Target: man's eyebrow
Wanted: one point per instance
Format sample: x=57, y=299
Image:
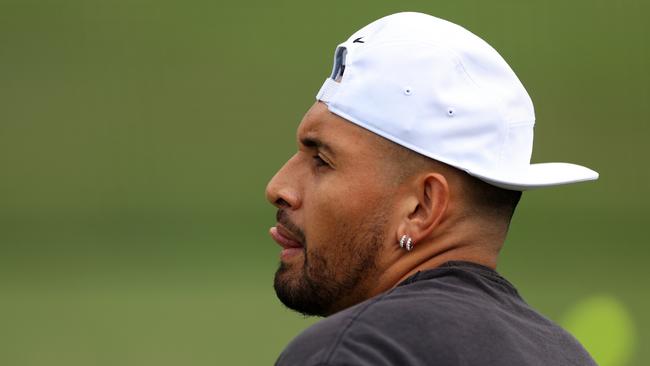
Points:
x=315, y=143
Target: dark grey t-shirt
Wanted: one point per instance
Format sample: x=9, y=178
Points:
x=457, y=314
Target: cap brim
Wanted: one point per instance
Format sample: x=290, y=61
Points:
x=540, y=176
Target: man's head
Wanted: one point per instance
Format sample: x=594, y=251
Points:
x=421, y=130
x=347, y=195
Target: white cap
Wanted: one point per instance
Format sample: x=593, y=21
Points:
x=438, y=89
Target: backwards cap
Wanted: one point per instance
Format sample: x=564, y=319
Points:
x=438, y=89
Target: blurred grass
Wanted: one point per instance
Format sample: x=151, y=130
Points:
x=136, y=139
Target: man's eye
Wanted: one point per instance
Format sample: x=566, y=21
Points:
x=319, y=161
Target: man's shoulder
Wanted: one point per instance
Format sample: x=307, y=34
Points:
x=369, y=333
x=442, y=319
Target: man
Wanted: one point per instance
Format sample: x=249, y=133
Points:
x=392, y=213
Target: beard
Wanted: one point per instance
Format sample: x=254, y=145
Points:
x=334, y=277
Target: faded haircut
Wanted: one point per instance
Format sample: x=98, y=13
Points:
x=484, y=199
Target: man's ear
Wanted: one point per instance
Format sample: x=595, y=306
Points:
x=424, y=207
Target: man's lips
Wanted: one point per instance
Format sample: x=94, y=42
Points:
x=284, y=237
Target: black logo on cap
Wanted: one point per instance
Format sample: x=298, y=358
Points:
x=358, y=40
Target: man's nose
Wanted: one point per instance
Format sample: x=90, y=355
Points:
x=282, y=190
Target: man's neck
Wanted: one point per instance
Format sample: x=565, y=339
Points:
x=453, y=254
x=450, y=246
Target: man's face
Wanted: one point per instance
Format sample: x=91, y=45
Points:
x=334, y=201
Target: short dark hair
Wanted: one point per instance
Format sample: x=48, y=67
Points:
x=491, y=200
x=484, y=199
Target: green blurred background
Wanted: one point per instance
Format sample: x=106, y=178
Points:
x=136, y=139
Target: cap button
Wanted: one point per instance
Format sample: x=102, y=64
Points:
x=450, y=112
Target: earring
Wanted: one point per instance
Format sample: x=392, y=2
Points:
x=406, y=242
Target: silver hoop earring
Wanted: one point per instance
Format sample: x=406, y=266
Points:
x=405, y=242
